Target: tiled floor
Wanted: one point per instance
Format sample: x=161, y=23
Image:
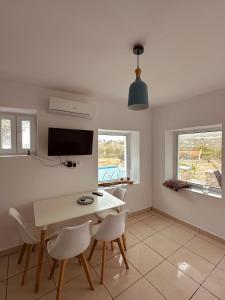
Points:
x=167, y=261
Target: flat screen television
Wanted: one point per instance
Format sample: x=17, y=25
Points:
x=69, y=142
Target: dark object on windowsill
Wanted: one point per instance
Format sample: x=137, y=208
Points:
x=176, y=185
x=116, y=182
x=218, y=175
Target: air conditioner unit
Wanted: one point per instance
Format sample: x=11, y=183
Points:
x=72, y=108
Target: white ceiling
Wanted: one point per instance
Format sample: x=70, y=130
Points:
x=84, y=46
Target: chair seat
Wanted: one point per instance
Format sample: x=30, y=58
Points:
x=94, y=229
x=51, y=244
x=102, y=214
x=70, y=242
x=35, y=232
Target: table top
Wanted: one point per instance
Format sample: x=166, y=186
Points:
x=57, y=209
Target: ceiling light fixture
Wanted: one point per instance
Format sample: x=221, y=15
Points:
x=138, y=91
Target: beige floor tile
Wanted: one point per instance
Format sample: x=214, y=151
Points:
x=73, y=269
x=192, y=264
x=169, y=220
x=16, y=291
x=131, y=239
x=172, y=282
x=131, y=220
x=144, y=215
x=140, y=230
x=142, y=289
x=14, y=268
x=3, y=268
x=3, y=290
x=162, y=244
x=97, y=255
x=205, y=249
x=211, y=240
x=186, y=228
x=116, y=277
x=78, y=288
x=143, y=258
x=222, y=263
x=156, y=222
x=203, y=294
x=215, y=283
x=49, y=296
x=177, y=234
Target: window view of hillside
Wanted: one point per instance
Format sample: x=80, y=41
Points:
x=111, y=157
x=199, y=157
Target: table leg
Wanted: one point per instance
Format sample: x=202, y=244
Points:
x=40, y=259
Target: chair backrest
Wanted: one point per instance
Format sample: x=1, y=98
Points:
x=112, y=227
x=71, y=241
x=119, y=193
x=25, y=235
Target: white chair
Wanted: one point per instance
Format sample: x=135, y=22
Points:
x=111, y=229
x=30, y=236
x=119, y=193
x=71, y=242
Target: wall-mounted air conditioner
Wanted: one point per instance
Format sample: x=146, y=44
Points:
x=72, y=108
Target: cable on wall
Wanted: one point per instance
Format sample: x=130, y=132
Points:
x=48, y=162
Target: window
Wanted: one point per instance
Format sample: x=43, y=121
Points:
x=17, y=133
x=112, y=156
x=199, y=158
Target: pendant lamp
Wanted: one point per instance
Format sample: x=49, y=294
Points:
x=138, y=91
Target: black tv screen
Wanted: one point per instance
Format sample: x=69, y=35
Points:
x=69, y=142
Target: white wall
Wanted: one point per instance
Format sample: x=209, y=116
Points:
x=200, y=210
x=24, y=179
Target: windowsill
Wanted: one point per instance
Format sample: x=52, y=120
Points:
x=116, y=185
x=199, y=191
x=13, y=155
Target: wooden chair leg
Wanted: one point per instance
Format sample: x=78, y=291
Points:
x=103, y=261
x=33, y=248
x=122, y=252
x=112, y=246
x=61, y=277
x=92, y=249
x=124, y=242
x=23, y=250
x=79, y=260
x=42, y=248
x=29, y=248
x=86, y=269
x=54, y=265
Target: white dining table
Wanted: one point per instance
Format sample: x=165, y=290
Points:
x=63, y=208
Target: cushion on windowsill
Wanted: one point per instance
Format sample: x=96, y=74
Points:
x=176, y=185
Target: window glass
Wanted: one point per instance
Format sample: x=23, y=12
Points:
x=112, y=157
x=26, y=134
x=6, y=134
x=199, y=158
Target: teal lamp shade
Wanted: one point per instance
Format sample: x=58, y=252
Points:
x=138, y=93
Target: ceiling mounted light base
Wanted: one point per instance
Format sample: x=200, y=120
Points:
x=138, y=91
x=138, y=49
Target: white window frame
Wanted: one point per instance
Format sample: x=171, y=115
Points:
x=12, y=118
x=176, y=157
x=16, y=134
x=33, y=130
x=127, y=152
